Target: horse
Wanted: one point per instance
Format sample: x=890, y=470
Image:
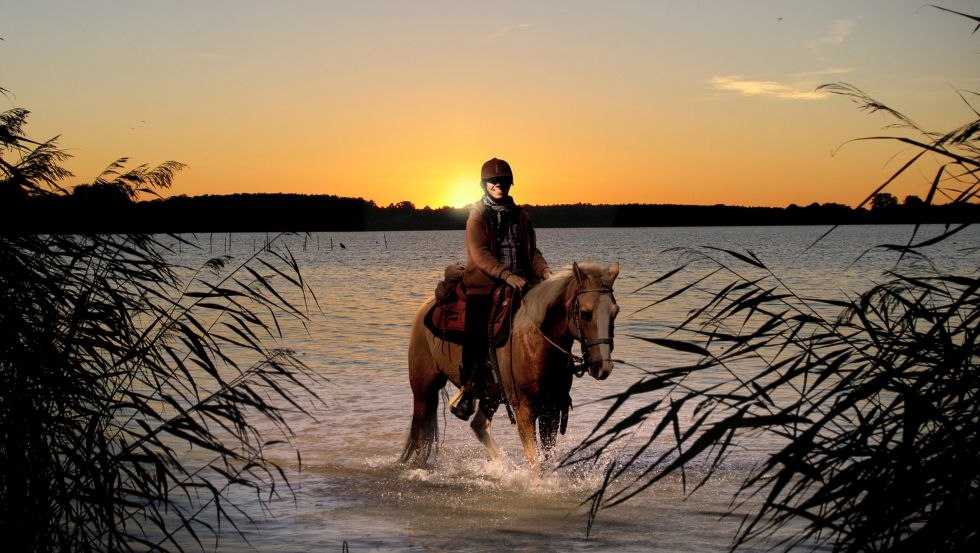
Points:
x=535, y=363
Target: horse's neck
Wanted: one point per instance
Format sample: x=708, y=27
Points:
x=555, y=325
x=551, y=320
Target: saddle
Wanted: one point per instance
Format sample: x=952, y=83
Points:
x=447, y=318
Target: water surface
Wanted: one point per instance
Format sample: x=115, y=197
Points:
x=351, y=489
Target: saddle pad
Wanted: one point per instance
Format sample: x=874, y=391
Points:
x=448, y=321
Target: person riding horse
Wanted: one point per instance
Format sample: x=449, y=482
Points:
x=535, y=361
x=500, y=249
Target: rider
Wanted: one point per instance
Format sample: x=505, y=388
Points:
x=500, y=248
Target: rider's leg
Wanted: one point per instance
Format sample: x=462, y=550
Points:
x=474, y=354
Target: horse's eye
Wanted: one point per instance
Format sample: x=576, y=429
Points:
x=586, y=315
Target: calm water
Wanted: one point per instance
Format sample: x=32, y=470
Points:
x=351, y=488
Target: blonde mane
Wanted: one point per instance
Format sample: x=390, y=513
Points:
x=544, y=295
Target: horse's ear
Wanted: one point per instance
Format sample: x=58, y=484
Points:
x=613, y=271
x=577, y=272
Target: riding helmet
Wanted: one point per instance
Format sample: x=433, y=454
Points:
x=495, y=168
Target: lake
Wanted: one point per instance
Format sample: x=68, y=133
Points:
x=350, y=490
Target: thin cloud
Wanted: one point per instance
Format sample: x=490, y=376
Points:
x=500, y=33
x=800, y=86
x=838, y=31
x=766, y=89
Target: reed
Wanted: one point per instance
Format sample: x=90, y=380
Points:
x=875, y=396
x=132, y=390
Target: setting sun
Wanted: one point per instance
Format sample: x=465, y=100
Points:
x=461, y=193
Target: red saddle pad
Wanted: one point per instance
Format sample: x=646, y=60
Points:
x=448, y=321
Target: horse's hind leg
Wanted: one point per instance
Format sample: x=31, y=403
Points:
x=481, y=427
x=424, y=432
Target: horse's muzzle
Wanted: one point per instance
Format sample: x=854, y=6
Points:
x=600, y=370
x=599, y=367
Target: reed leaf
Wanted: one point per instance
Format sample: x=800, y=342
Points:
x=112, y=364
x=875, y=399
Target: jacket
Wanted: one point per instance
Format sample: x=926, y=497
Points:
x=483, y=269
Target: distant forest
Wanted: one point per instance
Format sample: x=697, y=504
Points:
x=90, y=208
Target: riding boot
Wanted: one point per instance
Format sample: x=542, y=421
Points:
x=474, y=355
x=464, y=403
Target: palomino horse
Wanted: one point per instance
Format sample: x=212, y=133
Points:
x=536, y=370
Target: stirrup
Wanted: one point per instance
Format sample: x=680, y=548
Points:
x=462, y=405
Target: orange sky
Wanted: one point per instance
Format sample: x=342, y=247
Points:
x=651, y=102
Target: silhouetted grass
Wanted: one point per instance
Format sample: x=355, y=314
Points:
x=133, y=391
x=875, y=398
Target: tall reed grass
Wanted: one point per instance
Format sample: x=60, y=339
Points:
x=874, y=397
x=132, y=390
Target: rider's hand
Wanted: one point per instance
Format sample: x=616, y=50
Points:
x=515, y=281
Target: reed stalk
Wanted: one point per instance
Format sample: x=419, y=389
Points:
x=874, y=397
x=136, y=395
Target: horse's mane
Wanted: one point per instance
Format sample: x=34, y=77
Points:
x=544, y=295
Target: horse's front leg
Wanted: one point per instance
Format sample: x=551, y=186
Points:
x=548, y=423
x=481, y=427
x=551, y=412
x=525, y=429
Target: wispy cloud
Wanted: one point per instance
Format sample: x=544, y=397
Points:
x=500, y=33
x=798, y=86
x=769, y=89
x=836, y=34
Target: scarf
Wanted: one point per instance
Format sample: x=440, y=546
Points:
x=503, y=219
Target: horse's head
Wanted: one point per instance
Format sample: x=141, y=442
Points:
x=592, y=312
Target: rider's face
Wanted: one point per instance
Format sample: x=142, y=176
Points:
x=497, y=190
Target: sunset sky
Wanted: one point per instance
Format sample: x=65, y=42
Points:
x=656, y=101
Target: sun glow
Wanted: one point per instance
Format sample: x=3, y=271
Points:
x=461, y=193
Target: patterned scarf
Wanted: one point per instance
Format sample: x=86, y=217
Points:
x=503, y=219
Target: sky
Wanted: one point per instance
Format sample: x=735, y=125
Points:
x=658, y=101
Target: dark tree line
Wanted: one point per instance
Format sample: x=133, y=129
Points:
x=107, y=208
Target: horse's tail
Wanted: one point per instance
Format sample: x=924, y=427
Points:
x=423, y=436
x=427, y=383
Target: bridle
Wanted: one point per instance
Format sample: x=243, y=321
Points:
x=578, y=361
x=577, y=319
